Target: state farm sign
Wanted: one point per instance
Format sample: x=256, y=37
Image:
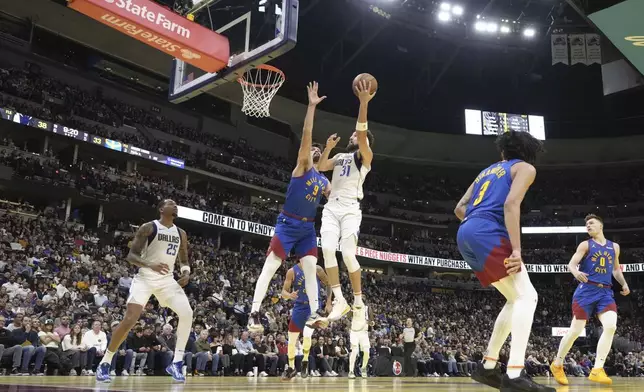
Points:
x=162, y=29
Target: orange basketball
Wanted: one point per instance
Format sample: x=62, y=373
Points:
x=367, y=78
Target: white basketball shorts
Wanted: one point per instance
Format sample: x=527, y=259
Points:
x=341, y=218
x=360, y=339
x=166, y=290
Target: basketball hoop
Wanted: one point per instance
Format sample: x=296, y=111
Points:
x=260, y=84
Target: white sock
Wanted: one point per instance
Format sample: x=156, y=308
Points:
x=271, y=265
x=568, y=340
x=609, y=323
x=309, y=267
x=500, y=333
x=178, y=355
x=337, y=293
x=357, y=300
x=107, y=358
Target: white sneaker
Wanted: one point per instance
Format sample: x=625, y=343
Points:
x=263, y=374
x=299, y=374
x=83, y=372
x=352, y=376
x=113, y=373
x=445, y=375
x=124, y=373
x=364, y=373
x=73, y=372
x=138, y=372
x=90, y=373
x=340, y=309
x=315, y=374
x=333, y=373
x=250, y=374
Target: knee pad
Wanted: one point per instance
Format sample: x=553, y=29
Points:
x=609, y=321
x=349, y=247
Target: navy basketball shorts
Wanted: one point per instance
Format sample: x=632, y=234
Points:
x=484, y=244
x=590, y=299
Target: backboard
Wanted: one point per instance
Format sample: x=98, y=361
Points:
x=258, y=31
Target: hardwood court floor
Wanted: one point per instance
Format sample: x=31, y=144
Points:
x=239, y=384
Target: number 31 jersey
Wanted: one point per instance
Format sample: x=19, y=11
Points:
x=163, y=247
x=491, y=188
x=348, y=176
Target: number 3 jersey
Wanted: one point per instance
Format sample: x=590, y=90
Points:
x=348, y=176
x=491, y=188
x=163, y=247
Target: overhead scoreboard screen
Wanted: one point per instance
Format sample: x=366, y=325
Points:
x=485, y=123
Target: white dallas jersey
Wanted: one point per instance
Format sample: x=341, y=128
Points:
x=163, y=247
x=348, y=176
x=360, y=324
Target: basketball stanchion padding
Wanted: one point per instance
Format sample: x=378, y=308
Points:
x=260, y=84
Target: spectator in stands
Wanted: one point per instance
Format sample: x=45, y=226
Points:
x=96, y=342
x=203, y=354
x=9, y=349
x=63, y=329
x=75, y=350
x=137, y=350
x=51, y=341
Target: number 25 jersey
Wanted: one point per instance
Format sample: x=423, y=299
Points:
x=163, y=247
x=491, y=189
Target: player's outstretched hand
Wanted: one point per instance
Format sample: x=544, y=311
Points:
x=363, y=90
x=581, y=276
x=161, y=268
x=625, y=290
x=314, y=99
x=332, y=141
x=183, y=280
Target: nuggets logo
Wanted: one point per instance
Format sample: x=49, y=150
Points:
x=397, y=368
x=603, y=261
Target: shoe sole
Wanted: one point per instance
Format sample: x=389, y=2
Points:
x=601, y=382
x=344, y=312
x=481, y=380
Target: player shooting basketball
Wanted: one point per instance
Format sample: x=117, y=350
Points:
x=295, y=228
x=342, y=216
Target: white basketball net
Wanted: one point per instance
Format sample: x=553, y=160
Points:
x=260, y=86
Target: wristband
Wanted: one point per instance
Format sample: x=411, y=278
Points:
x=362, y=127
x=185, y=269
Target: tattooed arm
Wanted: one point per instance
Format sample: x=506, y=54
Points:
x=136, y=249
x=461, y=207
x=183, y=259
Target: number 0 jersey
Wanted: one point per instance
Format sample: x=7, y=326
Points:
x=163, y=247
x=491, y=188
x=599, y=261
x=348, y=176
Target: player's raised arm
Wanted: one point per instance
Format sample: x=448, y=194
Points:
x=363, y=89
x=183, y=259
x=523, y=178
x=304, y=158
x=617, y=272
x=286, y=287
x=325, y=163
x=461, y=207
x=573, y=265
x=136, y=249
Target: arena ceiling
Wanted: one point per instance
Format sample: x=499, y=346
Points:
x=429, y=70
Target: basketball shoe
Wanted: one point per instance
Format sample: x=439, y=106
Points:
x=599, y=375
x=559, y=374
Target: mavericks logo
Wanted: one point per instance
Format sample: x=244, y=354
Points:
x=397, y=368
